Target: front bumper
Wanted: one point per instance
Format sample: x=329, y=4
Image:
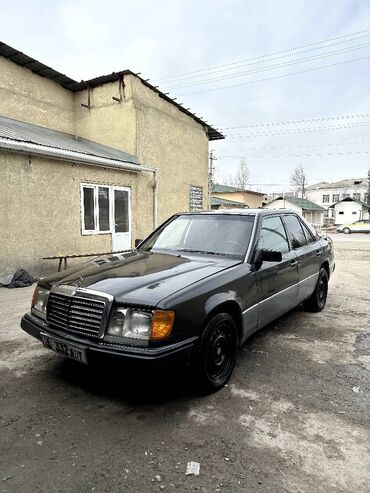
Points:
x=179, y=352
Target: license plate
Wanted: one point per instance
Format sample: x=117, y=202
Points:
x=72, y=351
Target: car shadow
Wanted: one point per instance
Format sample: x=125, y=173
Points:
x=139, y=384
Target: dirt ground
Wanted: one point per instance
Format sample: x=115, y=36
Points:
x=294, y=418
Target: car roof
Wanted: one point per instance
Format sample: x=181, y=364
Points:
x=242, y=212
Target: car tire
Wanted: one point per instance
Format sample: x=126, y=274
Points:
x=317, y=301
x=215, y=358
x=346, y=231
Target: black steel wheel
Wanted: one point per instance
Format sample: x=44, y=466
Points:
x=317, y=301
x=216, y=357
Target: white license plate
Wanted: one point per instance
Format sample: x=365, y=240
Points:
x=72, y=351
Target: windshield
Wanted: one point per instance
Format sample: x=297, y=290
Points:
x=201, y=233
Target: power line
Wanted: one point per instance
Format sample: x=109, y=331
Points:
x=294, y=122
x=296, y=132
x=309, y=155
x=269, y=58
x=305, y=146
x=267, y=55
x=272, y=67
x=204, y=91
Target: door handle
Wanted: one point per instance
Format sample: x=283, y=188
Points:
x=293, y=263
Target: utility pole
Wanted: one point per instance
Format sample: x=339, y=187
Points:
x=368, y=186
x=211, y=170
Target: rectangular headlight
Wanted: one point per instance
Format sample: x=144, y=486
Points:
x=40, y=301
x=139, y=325
x=130, y=323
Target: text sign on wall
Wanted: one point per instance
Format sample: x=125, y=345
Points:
x=195, y=198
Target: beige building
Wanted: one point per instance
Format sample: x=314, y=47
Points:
x=89, y=166
x=226, y=196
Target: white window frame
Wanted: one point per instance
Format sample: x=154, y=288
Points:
x=96, y=230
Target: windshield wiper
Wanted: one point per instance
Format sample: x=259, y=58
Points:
x=207, y=252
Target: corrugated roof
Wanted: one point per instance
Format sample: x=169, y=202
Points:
x=218, y=188
x=219, y=201
x=304, y=204
x=348, y=183
x=43, y=70
x=26, y=132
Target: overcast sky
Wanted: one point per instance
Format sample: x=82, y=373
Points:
x=168, y=38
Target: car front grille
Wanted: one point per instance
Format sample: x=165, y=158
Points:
x=76, y=314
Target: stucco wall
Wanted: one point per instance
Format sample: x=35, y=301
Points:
x=107, y=122
x=40, y=210
x=174, y=143
x=250, y=199
x=34, y=99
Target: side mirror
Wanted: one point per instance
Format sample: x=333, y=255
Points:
x=137, y=242
x=267, y=256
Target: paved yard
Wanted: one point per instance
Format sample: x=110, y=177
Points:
x=295, y=416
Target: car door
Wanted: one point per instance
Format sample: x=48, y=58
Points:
x=277, y=282
x=308, y=251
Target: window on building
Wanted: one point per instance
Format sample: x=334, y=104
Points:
x=335, y=197
x=326, y=213
x=326, y=198
x=354, y=212
x=295, y=231
x=272, y=235
x=96, y=209
x=346, y=195
x=357, y=196
x=195, y=198
x=340, y=212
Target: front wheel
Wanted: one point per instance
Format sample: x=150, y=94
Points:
x=317, y=301
x=216, y=356
x=346, y=231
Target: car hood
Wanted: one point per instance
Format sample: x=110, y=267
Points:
x=138, y=277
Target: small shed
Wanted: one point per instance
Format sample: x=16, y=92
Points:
x=219, y=203
x=349, y=210
x=312, y=212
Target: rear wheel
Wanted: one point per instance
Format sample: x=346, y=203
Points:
x=346, y=231
x=317, y=301
x=216, y=357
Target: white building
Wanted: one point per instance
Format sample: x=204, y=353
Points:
x=348, y=210
x=312, y=212
x=326, y=194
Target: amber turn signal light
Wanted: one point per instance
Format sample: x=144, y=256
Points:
x=162, y=323
x=34, y=296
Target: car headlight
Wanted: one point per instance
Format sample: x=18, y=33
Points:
x=39, y=301
x=139, y=325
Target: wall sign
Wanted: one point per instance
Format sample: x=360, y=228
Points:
x=195, y=198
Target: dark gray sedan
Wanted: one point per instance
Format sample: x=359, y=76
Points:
x=193, y=291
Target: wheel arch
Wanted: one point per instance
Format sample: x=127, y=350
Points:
x=231, y=307
x=325, y=265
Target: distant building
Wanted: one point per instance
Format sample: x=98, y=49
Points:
x=348, y=210
x=218, y=203
x=246, y=198
x=326, y=194
x=314, y=213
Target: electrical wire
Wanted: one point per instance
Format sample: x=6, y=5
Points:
x=266, y=55
x=269, y=59
x=267, y=79
x=300, y=131
x=306, y=120
x=237, y=75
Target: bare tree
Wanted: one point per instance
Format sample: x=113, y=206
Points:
x=240, y=178
x=298, y=180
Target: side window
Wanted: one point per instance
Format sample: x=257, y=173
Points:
x=308, y=234
x=295, y=231
x=272, y=235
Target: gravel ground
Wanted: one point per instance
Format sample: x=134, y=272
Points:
x=294, y=417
